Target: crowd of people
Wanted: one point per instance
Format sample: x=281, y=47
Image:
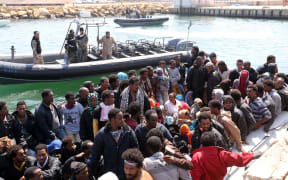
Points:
x=175, y=121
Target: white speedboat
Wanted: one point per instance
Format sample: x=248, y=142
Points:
x=4, y=22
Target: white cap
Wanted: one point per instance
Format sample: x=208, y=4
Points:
x=108, y=176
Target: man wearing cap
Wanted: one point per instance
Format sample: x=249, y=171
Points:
x=36, y=47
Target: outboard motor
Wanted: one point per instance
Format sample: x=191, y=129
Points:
x=172, y=44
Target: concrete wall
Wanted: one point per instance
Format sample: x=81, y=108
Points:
x=244, y=12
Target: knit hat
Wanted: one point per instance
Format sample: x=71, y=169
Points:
x=228, y=98
x=77, y=167
x=184, y=129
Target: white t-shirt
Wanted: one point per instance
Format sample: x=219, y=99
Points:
x=72, y=117
x=172, y=108
x=104, y=111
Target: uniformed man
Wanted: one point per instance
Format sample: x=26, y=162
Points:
x=36, y=47
x=108, y=42
x=71, y=47
x=82, y=42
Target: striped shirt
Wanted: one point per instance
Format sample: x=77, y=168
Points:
x=259, y=109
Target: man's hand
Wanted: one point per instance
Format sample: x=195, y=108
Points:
x=168, y=159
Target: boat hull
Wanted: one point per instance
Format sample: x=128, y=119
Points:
x=19, y=72
x=140, y=21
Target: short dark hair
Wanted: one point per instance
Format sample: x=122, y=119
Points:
x=196, y=48
x=45, y=92
x=269, y=83
x=236, y=94
x=66, y=140
x=40, y=147
x=155, y=132
x=201, y=53
x=133, y=155
x=87, y=84
x=215, y=104
x=154, y=144
x=20, y=103
x=81, y=29
x=270, y=57
x=253, y=87
x=172, y=61
x=12, y=152
x=113, y=78
x=132, y=72
x=134, y=108
x=84, y=145
x=149, y=112
x=260, y=88
x=157, y=109
x=149, y=68
x=208, y=139
x=143, y=70
x=113, y=113
x=29, y=172
x=222, y=63
x=103, y=79
x=123, y=84
x=239, y=61
x=213, y=54
x=247, y=62
x=133, y=80
x=205, y=109
x=2, y=104
x=106, y=94
x=204, y=115
x=68, y=95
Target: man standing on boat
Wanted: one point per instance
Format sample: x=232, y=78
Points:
x=82, y=42
x=36, y=47
x=108, y=42
x=71, y=47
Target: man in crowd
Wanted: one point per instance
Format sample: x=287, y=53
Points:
x=194, y=54
x=253, y=75
x=110, y=142
x=268, y=87
x=36, y=47
x=104, y=85
x=174, y=76
x=245, y=108
x=204, y=125
x=113, y=82
x=213, y=79
x=90, y=86
x=82, y=42
x=133, y=165
x=50, y=166
x=9, y=127
x=28, y=123
x=171, y=107
x=83, y=96
x=48, y=118
x=133, y=93
x=33, y=173
x=211, y=162
x=13, y=165
x=264, y=68
x=197, y=79
x=213, y=58
x=107, y=42
x=234, y=74
x=142, y=130
x=282, y=91
x=155, y=165
x=145, y=83
x=72, y=112
x=236, y=115
x=259, y=109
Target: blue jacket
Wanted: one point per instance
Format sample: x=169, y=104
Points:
x=104, y=144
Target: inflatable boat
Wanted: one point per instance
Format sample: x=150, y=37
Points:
x=140, y=21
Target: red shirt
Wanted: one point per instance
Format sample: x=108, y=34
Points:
x=210, y=163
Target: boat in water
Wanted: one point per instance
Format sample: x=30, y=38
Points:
x=4, y=22
x=130, y=54
x=147, y=21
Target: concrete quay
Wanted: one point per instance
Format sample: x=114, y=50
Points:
x=265, y=12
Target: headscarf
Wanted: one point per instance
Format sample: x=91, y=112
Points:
x=184, y=129
x=90, y=108
x=244, y=77
x=160, y=70
x=219, y=93
x=121, y=76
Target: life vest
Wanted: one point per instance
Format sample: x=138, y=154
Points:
x=38, y=46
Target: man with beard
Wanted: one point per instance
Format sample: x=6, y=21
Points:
x=213, y=79
x=133, y=165
x=194, y=53
x=13, y=165
x=204, y=125
x=282, y=91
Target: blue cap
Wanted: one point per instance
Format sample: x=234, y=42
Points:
x=121, y=76
x=54, y=145
x=180, y=97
